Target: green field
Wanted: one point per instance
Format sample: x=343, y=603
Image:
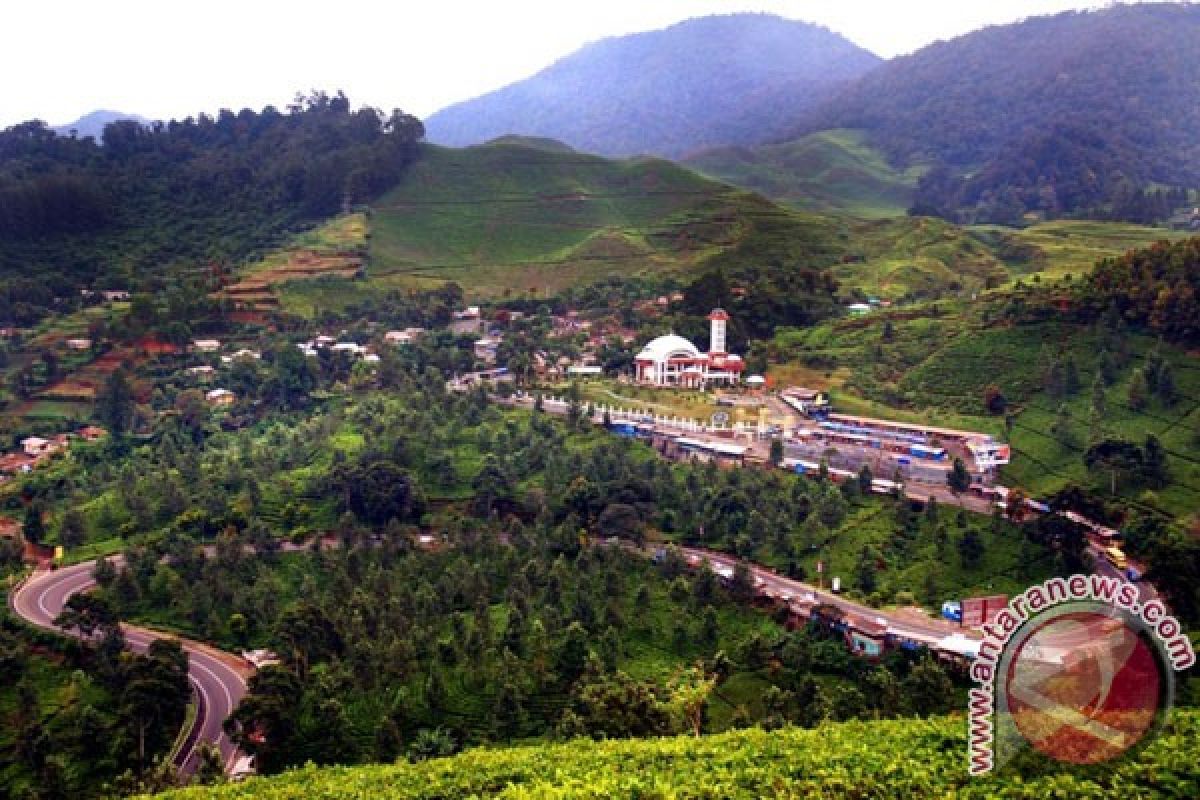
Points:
x=918, y=256
x=509, y=218
x=1072, y=247
x=894, y=758
x=831, y=171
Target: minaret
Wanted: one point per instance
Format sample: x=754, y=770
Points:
x=716, y=337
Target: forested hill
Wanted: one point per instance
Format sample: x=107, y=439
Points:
x=1063, y=113
x=127, y=209
x=733, y=79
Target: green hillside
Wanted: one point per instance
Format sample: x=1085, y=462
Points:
x=896, y=758
x=927, y=257
x=828, y=171
x=506, y=217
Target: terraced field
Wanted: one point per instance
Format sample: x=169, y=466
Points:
x=515, y=216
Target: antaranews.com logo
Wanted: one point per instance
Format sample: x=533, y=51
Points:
x=1079, y=668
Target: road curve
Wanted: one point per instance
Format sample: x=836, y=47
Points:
x=218, y=679
x=772, y=584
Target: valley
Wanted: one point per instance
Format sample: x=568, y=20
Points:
x=685, y=419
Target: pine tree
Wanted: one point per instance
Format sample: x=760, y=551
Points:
x=1166, y=384
x=1138, y=390
x=1071, y=384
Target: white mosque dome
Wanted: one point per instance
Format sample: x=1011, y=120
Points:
x=667, y=347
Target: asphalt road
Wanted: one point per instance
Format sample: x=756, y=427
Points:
x=775, y=585
x=217, y=685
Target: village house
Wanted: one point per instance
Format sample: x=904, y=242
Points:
x=206, y=345
x=13, y=463
x=34, y=446
x=406, y=336
x=79, y=344
x=92, y=433
x=220, y=397
x=203, y=371
x=243, y=353
x=485, y=349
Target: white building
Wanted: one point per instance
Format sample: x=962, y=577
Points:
x=206, y=345
x=672, y=360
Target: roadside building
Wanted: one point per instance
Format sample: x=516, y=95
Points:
x=79, y=344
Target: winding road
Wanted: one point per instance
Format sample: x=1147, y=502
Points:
x=218, y=679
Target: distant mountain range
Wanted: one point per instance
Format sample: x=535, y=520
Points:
x=1078, y=113
x=1067, y=113
x=93, y=124
x=731, y=79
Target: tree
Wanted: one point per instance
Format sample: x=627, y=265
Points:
x=86, y=613
x=1061, y=427
x=928, y=688
x=116, y=404
x=618, y=706
x=865, y=479
x=1154, y=463
x=211, y=767
x=1138, y=390
x=34, y=526
x=864, y=570
x=1114, y=456
x=492, y=486
x=741, y=587
x=71, y=530
x=958, y=479
x=689, y=694
x=572, y=653
x=776, y=451
x=1015, y=505
x=1071, y=383
x=970, y=549
x=1166, y=385
x=994, y=400
x=622, y=521
x=192, y=411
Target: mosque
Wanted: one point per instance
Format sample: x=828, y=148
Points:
x=672, y=360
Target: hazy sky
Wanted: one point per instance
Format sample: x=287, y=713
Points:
x=174, y=58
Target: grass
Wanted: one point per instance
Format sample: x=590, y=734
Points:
x=892, y=758
x=1072, y=247
x=918, y=256
x=509, y=218
x=832, y=170
x=332, y=252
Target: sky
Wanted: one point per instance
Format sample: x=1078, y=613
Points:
x=176, y=58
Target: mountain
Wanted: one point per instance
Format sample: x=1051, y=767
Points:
x=1072, y=113
x=93, y=124
x=827, y=171
x=731, y=79
x=521, y=216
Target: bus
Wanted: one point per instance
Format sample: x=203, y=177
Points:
x=1115, y=557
